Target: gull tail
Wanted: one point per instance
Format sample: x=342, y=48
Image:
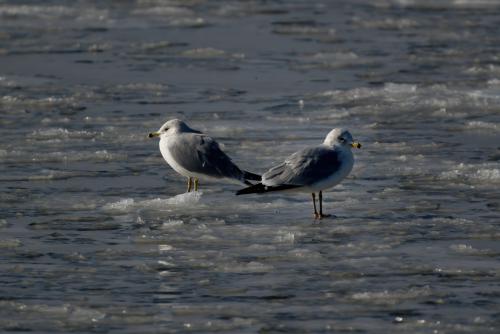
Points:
x=259, y=188
x=250, y=176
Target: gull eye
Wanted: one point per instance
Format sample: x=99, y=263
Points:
x=341, y=139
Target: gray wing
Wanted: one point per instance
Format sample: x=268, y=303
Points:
x=201, y=154
x=304, y=167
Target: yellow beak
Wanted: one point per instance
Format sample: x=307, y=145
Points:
x=154, y=134
x=356, y=144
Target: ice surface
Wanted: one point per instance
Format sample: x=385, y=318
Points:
x=95, y=237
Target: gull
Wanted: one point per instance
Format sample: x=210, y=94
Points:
x=195, y=155
x=311, y=170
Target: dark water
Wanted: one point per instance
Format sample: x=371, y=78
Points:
x=96, y=235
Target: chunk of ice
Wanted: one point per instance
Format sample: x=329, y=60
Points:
x=127, y=205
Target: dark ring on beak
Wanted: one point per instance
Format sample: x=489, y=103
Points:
x=356, y=145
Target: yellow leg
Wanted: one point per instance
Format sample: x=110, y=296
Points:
x=195, y=184
x=190, y=184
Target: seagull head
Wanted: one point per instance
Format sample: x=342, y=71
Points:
x=341, y=137
x=174, y=126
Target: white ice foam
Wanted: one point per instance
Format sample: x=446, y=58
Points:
x=61, y=133
x=48, y=174
x=487, y=172
x=304, y=30
x=15, y=156
x=203, y=53
x=3, y=223
x=127, y=205
x=395, y=89
x=164, y=11
x=10, y=243
x=35, y=11
x=484, y=69
x=192, y=22
x=305, y=254
x=6, y=82
x=445, y=113
x=469, y=250
x=432, y=4
x=172, y=224
x=285, y=237
x=391, y=297
x=164, y=248
x=386, y=23
x=480, y=125
x=154, y=45
x=394, y=98
x=48, y=102
x=142, y=86
x=494, y=82
x=392, y=90
x=332, y=60
x=250, y=267
x=335, y=57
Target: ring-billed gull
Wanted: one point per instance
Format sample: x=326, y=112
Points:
x=195, y=155
x=312, y=169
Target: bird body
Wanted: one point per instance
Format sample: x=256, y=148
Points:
x=196, y=155
x=166, y=145
x=312, y=169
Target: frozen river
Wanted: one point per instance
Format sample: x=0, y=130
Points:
x=96, y=234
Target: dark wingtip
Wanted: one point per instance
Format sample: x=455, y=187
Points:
x=259, y=188
x=256, y=188
x=251, y=176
